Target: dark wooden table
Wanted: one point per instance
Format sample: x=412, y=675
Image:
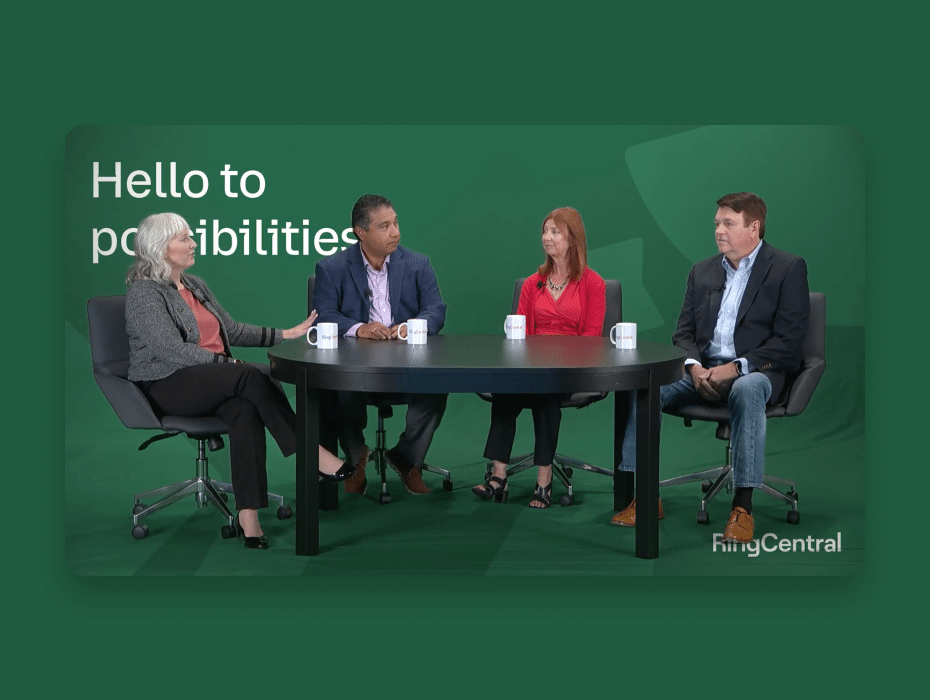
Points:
x=473, y=364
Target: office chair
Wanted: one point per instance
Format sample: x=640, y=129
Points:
x=109, y=349
x=563, y=466
x=796, y=394
x=385, y=405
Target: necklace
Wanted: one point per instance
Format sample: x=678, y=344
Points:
x=554, y=287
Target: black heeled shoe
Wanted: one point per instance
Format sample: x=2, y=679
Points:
x=488, y=491
x=260, y=542
x=344, y=472
x=543, y=494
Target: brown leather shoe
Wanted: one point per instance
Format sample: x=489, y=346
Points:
x=409, y=474
x=357, y=483
x=627, y=516
x=740, y=527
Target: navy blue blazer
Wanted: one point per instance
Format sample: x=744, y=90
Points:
x=339, y=294
x=773, y=316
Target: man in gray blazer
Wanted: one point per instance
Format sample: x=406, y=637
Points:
x=369, y=289
x=742, y=327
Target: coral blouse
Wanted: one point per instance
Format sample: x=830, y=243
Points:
x=209, y=327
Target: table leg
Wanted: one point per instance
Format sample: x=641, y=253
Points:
x=308, y=466
x=647, y=471
x=623, y=481
x=329, y=429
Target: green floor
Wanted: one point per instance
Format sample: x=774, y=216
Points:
x=454, y=533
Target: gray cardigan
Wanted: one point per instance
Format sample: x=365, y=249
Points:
x=163, y=332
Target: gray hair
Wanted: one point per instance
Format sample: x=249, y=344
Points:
x=152, y=238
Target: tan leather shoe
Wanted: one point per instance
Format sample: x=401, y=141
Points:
x=357, y=483
x=627, y=516
x=410, y=475
x=740, y=527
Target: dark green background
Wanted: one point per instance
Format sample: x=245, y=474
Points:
x=632, y=65
x=474, y=198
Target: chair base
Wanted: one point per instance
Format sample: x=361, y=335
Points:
x=562, y=469
x=378, y=456
x=205, y=490
x=722, y=478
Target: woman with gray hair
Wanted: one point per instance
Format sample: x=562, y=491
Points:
x=180, y=340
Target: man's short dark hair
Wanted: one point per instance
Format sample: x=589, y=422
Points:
x=750, y=205
x=367, y=203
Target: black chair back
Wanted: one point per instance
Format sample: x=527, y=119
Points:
x=109, y=351
x=800, y=387
x=311, y=283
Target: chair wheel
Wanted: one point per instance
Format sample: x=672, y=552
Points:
x=569, y=472
x=794, y=517
x=228, y=531
x=702, y=517
x=138, y=508
x=446, y=485
x=705, y=486
x=140, y=532
x=565, y=500
x=384, y=499
x=284, y=512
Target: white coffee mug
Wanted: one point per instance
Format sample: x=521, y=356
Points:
x=515, y=327
x=623, y=335
x=415, y=331
x=327, y=335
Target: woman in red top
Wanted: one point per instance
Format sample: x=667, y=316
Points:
x=564, y=297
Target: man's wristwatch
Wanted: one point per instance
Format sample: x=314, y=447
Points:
x=739, y=368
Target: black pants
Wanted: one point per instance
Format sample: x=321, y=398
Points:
x=244, y=397
x=547, y=416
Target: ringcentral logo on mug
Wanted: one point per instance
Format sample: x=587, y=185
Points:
x=623, y=335
x=327, y=335
x=515, y=327
x=413, y=331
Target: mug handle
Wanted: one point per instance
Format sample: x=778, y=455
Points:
x=404, y=326
x=309, y=331
x=613, y=339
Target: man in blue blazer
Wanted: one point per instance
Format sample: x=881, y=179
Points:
x=369, y=289
x=742, y=327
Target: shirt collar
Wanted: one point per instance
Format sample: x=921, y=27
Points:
x=744, y=264
x=369, y=268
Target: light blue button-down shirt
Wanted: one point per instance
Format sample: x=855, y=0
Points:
x=380, y=310
x=722, y=349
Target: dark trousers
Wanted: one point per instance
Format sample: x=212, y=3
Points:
x=244, y=397
x=547, y=416
x=424, y=412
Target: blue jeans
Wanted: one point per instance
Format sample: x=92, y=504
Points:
x=747, y=401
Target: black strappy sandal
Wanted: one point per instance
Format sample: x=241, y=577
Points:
x=543, y=494
x=488, y=491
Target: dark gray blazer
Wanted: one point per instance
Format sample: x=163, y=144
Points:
x=163, y=332
x=773, y=316
x=340, y=294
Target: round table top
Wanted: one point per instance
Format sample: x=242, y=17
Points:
x=478, y=363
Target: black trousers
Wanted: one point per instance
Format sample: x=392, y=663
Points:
x=248, y=401
x=547, y=416
x=424, y=413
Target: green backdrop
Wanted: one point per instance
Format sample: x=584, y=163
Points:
x=473, y=199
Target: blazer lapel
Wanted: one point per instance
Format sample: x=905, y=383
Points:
x=759, y=272
x=395, y=281
x=360, y=278
x=718, y=283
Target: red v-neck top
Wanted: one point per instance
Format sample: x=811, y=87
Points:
x=578, y=311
